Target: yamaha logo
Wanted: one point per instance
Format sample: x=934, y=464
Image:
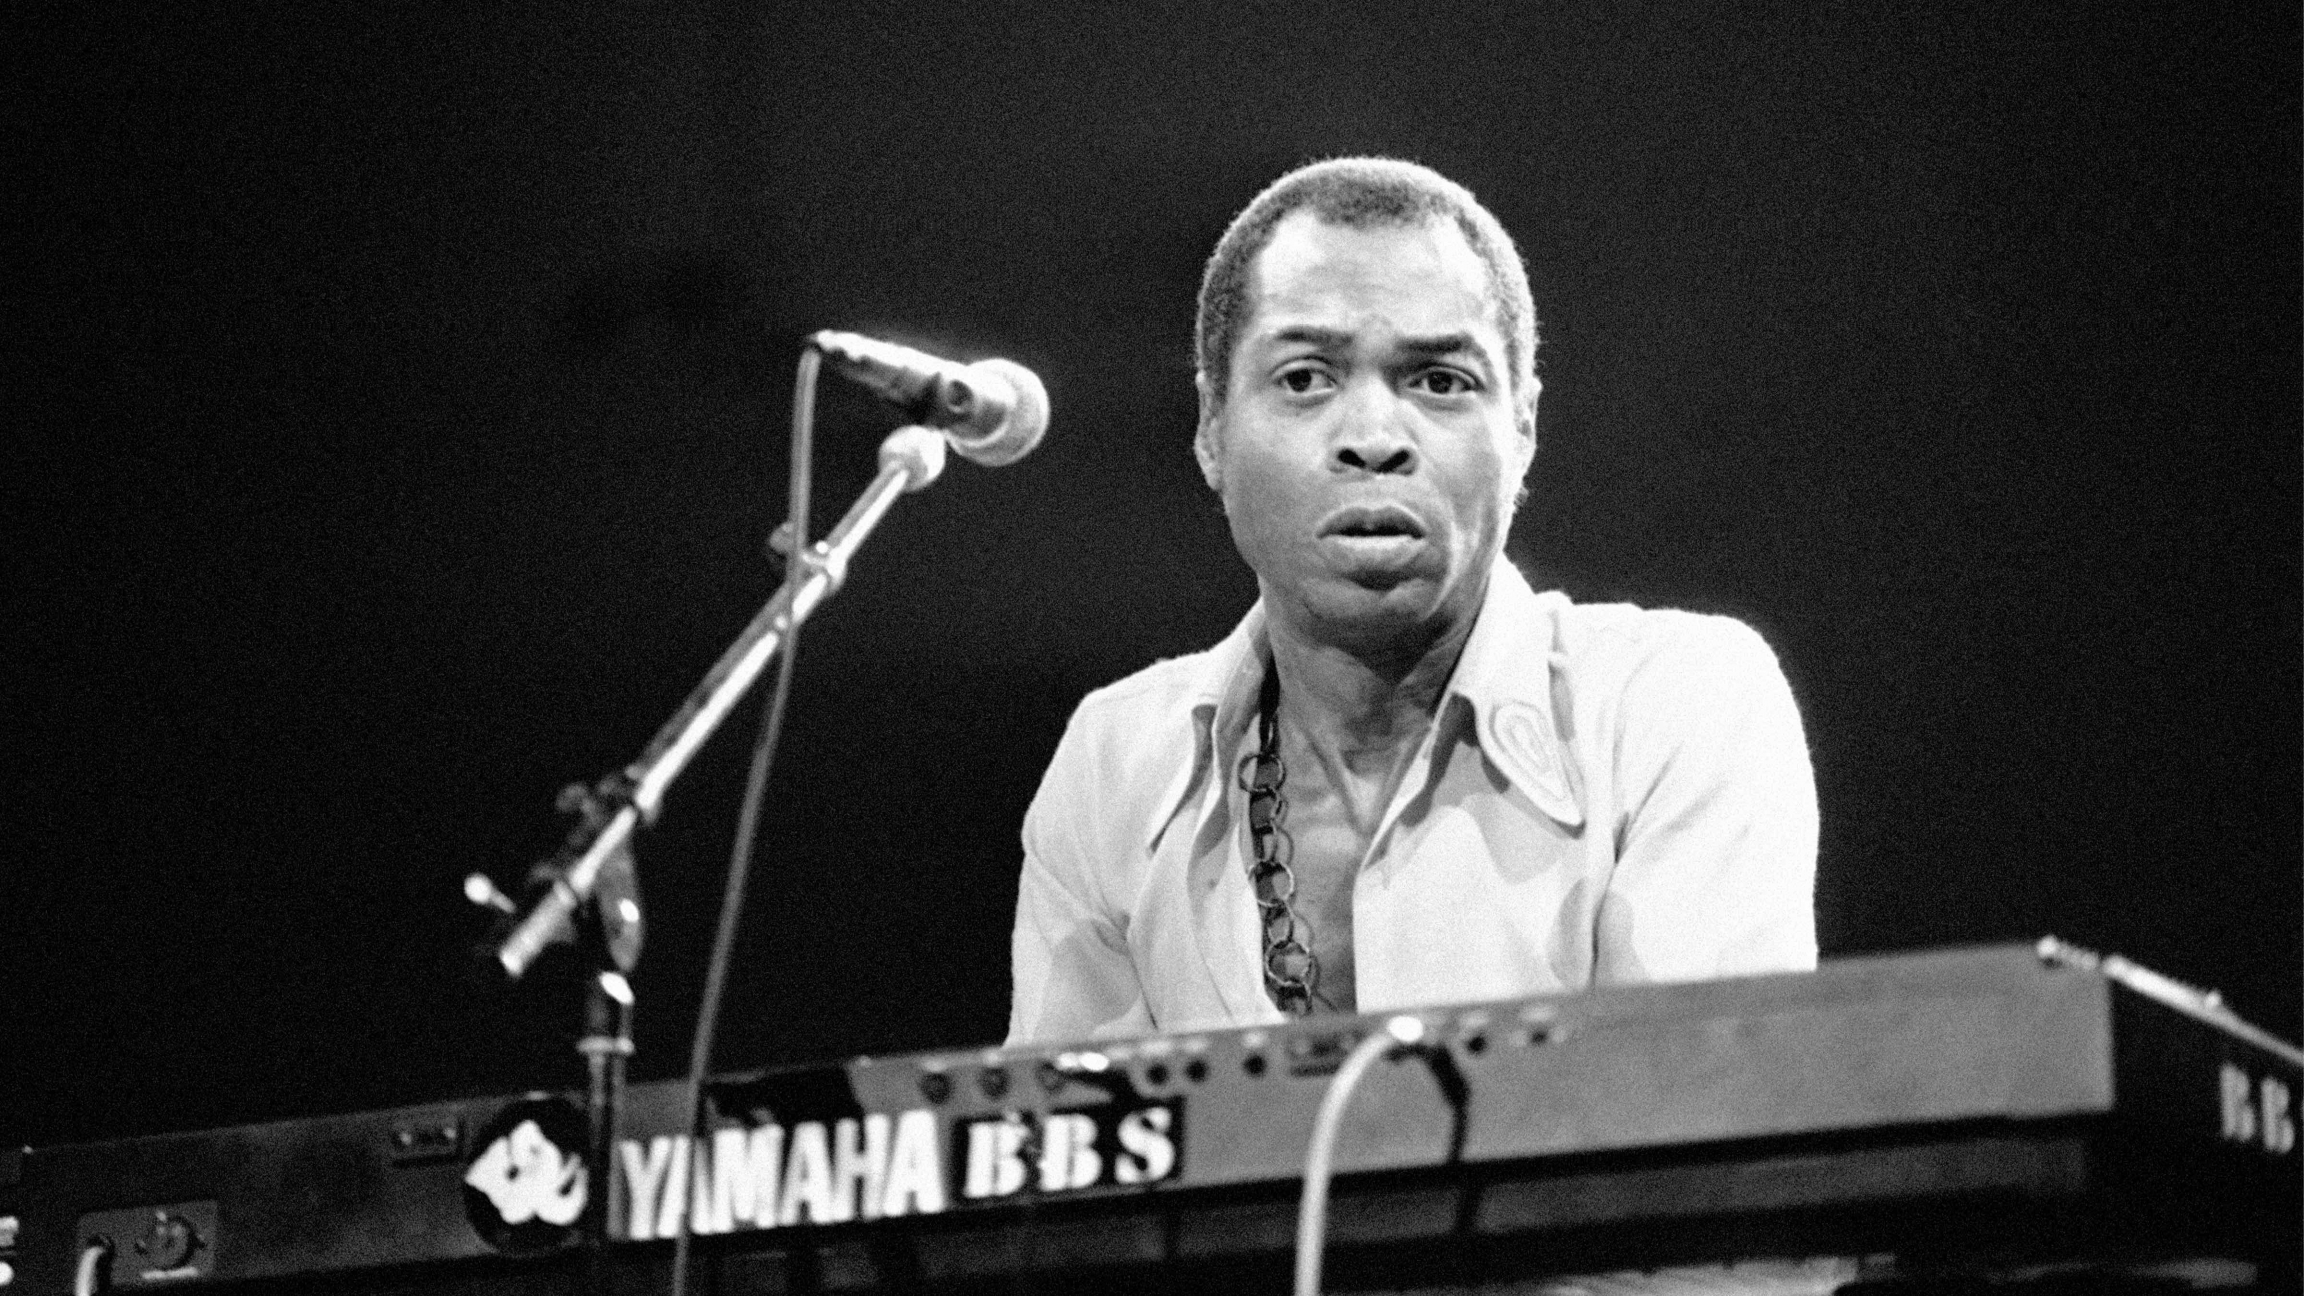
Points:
x=525, y=1187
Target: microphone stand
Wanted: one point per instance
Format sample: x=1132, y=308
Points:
x=606, y=1045
x=910, y=459
x=593, y=892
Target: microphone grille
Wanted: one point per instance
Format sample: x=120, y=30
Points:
x=1021, y=431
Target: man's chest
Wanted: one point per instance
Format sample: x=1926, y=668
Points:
x=1337, y=822
x=1469, y=892
x=1448, y=885
x=1327, y=852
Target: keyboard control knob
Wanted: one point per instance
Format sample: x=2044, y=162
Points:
x=169, y=1242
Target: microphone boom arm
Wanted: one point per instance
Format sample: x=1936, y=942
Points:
x=910, y=459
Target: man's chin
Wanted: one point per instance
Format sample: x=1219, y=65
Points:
x=1380, y=603
x=1383, y=607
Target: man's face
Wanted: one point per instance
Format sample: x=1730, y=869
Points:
x=1368, y=448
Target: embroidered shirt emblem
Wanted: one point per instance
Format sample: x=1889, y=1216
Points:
x=1525, y=749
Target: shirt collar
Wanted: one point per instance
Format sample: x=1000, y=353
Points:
x=1506, y=675
x=1513, y=675
x=1222, y=702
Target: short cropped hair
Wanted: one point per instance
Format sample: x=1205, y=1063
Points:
x=1362, y=193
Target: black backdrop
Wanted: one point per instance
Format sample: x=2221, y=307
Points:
x=400, y=400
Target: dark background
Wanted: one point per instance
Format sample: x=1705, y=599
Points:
x=400, y=400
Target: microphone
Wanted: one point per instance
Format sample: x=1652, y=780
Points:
x=993, y=412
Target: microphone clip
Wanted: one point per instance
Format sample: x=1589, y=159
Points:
x=614, y=914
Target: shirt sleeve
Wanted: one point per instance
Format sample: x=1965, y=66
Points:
x=1715, y=819
x=1073, y=976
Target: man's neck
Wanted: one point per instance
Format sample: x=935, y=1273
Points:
x=1367, y=701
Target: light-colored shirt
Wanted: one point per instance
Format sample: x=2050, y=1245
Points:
x=1607, y=794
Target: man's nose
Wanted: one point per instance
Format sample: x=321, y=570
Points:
x=1373, y=435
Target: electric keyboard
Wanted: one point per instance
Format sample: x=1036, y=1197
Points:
x=1962, y=1112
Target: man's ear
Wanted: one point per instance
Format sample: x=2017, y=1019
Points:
x=1524, y=421
x=1204, y=439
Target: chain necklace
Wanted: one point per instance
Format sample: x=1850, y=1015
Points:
x=1290, y=970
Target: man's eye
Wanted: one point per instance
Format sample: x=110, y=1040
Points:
x=1305, y=380
x=1446, y=382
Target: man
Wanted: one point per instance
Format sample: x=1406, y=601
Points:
x=1405, y=778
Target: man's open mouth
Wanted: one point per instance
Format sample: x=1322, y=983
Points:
x=1382, y=521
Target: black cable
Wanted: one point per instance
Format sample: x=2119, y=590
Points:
x=748, y=818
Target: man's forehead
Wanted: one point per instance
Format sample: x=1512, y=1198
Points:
x=1425, y=274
